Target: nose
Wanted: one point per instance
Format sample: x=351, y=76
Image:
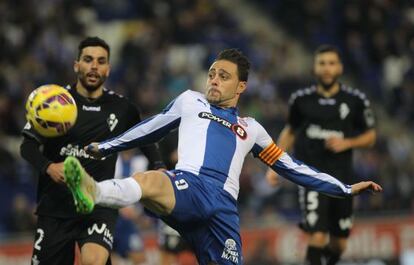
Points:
x=214, y=81
x=94, y=64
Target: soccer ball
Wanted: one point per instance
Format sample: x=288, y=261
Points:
x=51, y=110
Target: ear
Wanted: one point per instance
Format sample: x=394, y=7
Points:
x=341, y=69
x=108, y=71
x=241, y=87
x=76, y=66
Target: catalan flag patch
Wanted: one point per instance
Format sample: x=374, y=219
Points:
x=270, y=154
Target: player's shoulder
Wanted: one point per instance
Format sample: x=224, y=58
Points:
x=192, y=94
x=189, y=96
x=249, y=123
x=112, y=95
x=355, y=94
x=302, y=93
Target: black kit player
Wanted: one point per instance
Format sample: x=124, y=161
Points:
x=326, y=122
x=102, y=114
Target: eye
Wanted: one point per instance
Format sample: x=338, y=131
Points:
x=211, y=75
x=87, y=59
x=102, y=61
x=224, y=76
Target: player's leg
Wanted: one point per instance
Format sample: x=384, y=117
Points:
x=335, y=249
x=316, y=248
x=315, y=223
x=53, y=242
x=94, y=254
x=206, y=217
x=96, y=237
x=153, y=188
x=341, y=222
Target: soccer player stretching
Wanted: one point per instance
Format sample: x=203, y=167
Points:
x=199, y=197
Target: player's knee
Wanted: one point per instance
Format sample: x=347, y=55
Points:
x=338, y=245
x=318, y=239
x=150, y=183
x=93, y=259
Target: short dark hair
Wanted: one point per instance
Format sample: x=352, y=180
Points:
x=328, y=48
x=92, y=41
x=237, y=57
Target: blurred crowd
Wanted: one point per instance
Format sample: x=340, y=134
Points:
x=160, y=48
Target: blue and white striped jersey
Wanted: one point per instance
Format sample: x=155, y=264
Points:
x=213, y=143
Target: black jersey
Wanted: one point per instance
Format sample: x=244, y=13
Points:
x=315, y=118
x=98, y=120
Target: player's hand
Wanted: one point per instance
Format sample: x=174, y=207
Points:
x=93, y=150
x=55, y=171
x=337, y=144
x=272, y=178
x=365, y=185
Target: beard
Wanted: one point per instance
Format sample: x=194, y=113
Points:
x=326, y=85
x=83, y=79
x=213, y=96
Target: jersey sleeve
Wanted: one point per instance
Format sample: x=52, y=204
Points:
x=288, y=167
x=30, y=149
x=151, y=151
x=29, y=132
x=364, y=118
x=148, y=131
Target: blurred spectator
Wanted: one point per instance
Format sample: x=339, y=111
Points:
x=22, y=218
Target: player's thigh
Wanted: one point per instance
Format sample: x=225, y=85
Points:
x=315, y=211
x=341, y=212
x=54, y=242
x=96, y=237
x=157, y=191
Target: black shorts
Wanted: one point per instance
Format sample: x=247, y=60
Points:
x=170, y=240
x=55, y=238
x=321, y=213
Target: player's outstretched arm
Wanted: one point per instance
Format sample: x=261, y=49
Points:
x=148, y=131
x=359, y=187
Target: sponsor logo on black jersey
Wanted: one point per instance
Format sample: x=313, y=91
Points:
x=91, y=108
x=235, y=128
x=76, y=151
x=102, y=230
x=317, y=132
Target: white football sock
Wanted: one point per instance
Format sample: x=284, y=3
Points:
x=118, y=193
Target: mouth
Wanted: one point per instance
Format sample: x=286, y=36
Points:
x=213, y=91
x=93, y=77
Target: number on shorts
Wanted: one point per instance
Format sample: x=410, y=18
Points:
x=181, y=184
x=312, y=201
x=37, y=242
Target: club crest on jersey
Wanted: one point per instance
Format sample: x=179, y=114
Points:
x=230, y=251
x=343, y=110
x=235, y=128
x=112, y=121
